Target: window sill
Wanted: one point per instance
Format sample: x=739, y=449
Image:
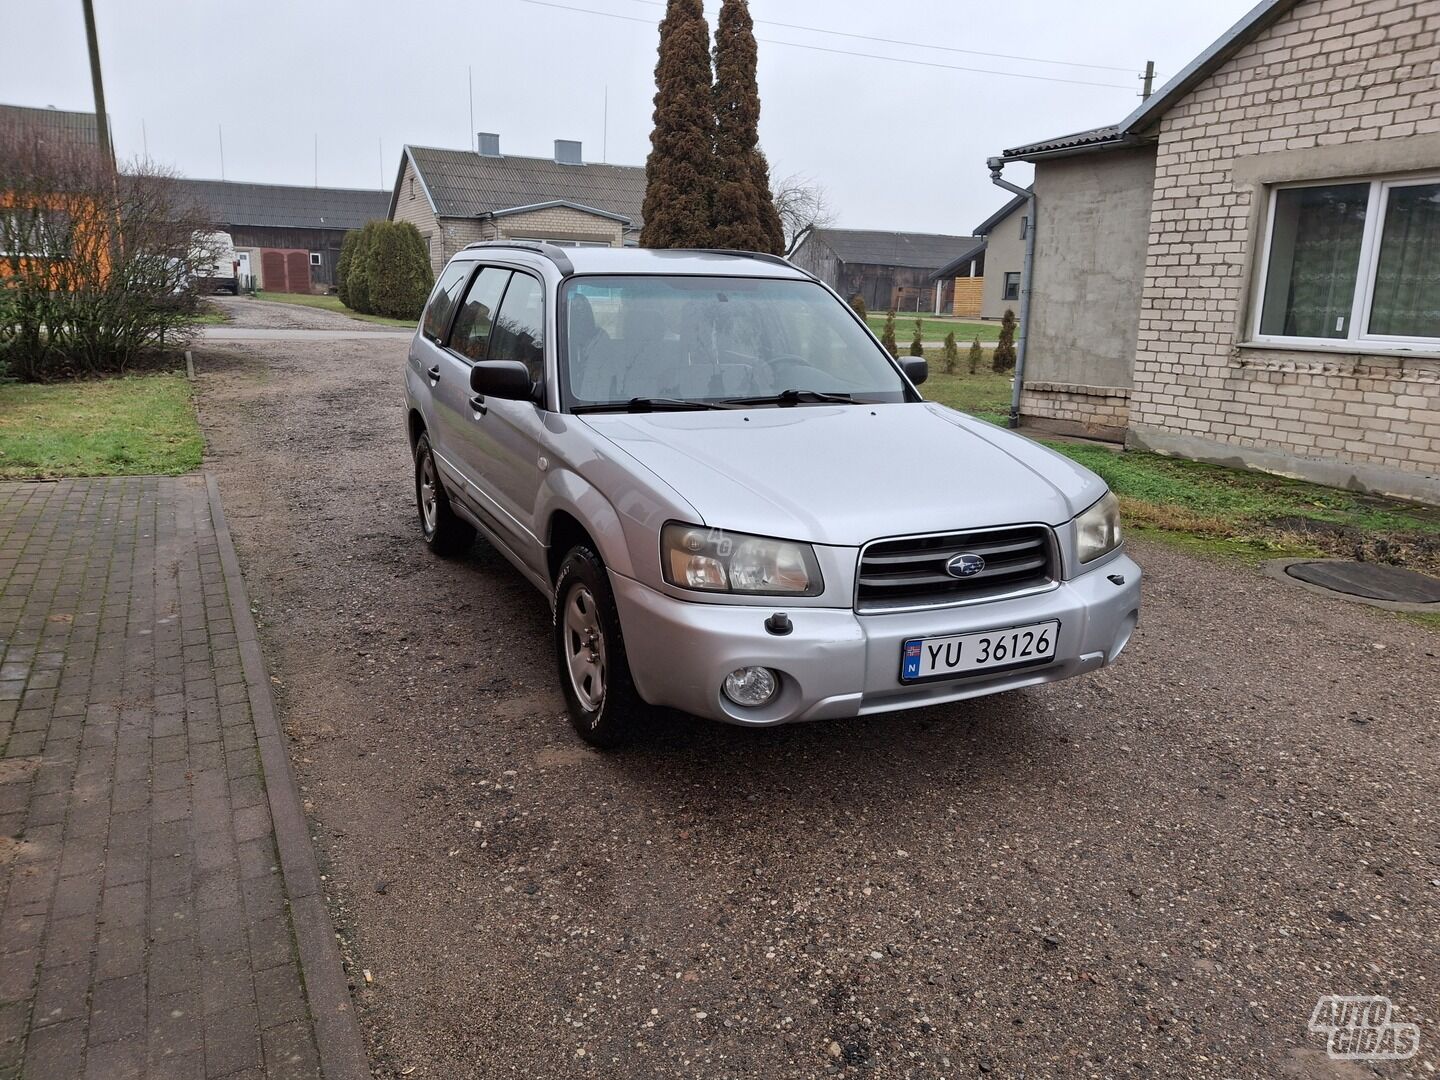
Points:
x=1339, y=349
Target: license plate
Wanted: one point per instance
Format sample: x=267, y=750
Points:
x=971, y=654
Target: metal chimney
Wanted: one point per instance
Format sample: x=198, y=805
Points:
x=488, y=143
x=567, y=152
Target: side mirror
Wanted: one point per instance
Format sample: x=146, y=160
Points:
x=916, y=368
x=507, y=379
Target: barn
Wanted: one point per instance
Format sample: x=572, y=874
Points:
x=889, y=269
x=286, y=238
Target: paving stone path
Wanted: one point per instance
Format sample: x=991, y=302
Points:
x=146, y=928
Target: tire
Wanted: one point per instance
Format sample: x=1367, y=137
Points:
x=444, y=533
x=605, y=710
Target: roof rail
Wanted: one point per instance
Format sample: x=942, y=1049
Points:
x=550, y=251
x=763, y=256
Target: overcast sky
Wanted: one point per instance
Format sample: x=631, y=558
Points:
x=896, y=145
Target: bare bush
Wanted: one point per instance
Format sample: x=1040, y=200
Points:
x=96, y=268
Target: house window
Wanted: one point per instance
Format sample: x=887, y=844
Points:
x=314, y=258
x=1012, y=286
x=1354, y=264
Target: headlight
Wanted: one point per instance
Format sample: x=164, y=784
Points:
x=1097, y=530
x=712, y=560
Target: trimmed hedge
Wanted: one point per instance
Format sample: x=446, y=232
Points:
x=387, y=271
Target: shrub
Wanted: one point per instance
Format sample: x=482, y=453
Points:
x=858, y=303
x=98, y=268
x=951, y=354
x=342, y=267
x=976, y=357
x=397, y=277
x=357, y=281
x=887, y=335
x=1003, y=358
x=917, y=345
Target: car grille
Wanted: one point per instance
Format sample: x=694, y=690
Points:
x=897, y=575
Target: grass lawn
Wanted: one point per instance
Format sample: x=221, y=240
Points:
x=331, y=303
x=1232, y=511
x=102, y=427
x=934, y=328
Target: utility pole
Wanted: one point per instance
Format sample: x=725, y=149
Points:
x=605, y=127
x=221, y=128
x=102, y=118
x=470, y=80
x=1149, y=79
x=317, y=159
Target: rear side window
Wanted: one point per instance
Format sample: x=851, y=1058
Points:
x=471, y=335
x=519, y=329
x=442, y=301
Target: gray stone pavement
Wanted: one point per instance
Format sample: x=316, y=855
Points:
x=146, y=928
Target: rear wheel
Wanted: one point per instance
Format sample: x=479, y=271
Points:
x=444, y=533
x=594, y=672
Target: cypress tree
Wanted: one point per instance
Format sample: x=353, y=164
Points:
x=887, y=334
x=952, y=354
x=857, y=304
x=1003, y=357
x=917, y=346
x=744, y=211
x=977, y=354
x=680, y=169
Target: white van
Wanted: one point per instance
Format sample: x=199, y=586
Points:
x=218, y=269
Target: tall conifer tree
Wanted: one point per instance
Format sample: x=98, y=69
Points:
x=679, y=173
x=744, y=211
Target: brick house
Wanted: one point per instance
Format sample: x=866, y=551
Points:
x=457, y=197
x=1265, y=229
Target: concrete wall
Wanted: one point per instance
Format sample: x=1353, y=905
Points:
x=1004, y=252
x=1090, y=252
x=1336, y=89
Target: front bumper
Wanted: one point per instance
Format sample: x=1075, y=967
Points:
x=836, y=663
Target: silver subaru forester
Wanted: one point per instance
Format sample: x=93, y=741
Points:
x=737, y=503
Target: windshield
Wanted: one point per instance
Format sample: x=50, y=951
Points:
x=675, y=340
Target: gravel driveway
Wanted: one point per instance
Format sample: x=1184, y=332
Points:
x=251, y=314
x=1154, y=871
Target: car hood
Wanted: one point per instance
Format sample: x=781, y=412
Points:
x=846, y=474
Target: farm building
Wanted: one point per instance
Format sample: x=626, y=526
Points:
x=286, y=238
x=894, y=269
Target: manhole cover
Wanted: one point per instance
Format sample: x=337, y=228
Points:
x=1370, y=580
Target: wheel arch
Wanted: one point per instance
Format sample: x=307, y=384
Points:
x=415, y=427
x=576, y=512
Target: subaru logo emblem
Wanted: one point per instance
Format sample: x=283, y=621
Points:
x=966, y=565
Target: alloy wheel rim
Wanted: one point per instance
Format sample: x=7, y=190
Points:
x=429, y=504
x=585, y=648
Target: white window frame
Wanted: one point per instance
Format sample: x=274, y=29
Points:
x=315, y=258
x=1357, y=337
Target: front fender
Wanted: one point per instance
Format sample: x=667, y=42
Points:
x=567, y=492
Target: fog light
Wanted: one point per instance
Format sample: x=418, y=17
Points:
x=750, y=686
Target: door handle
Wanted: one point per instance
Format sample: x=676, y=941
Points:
x=477, y=402
x=434, y=373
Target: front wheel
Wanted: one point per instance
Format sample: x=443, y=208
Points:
x=594, y=672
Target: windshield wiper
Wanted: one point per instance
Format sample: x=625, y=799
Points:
x=649, y=404
x=797, y=397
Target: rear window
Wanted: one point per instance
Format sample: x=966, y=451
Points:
x=442, y=300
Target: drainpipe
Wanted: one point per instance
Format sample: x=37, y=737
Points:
x=1027, y=273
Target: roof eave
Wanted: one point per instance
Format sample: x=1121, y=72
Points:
x=1131, y=130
